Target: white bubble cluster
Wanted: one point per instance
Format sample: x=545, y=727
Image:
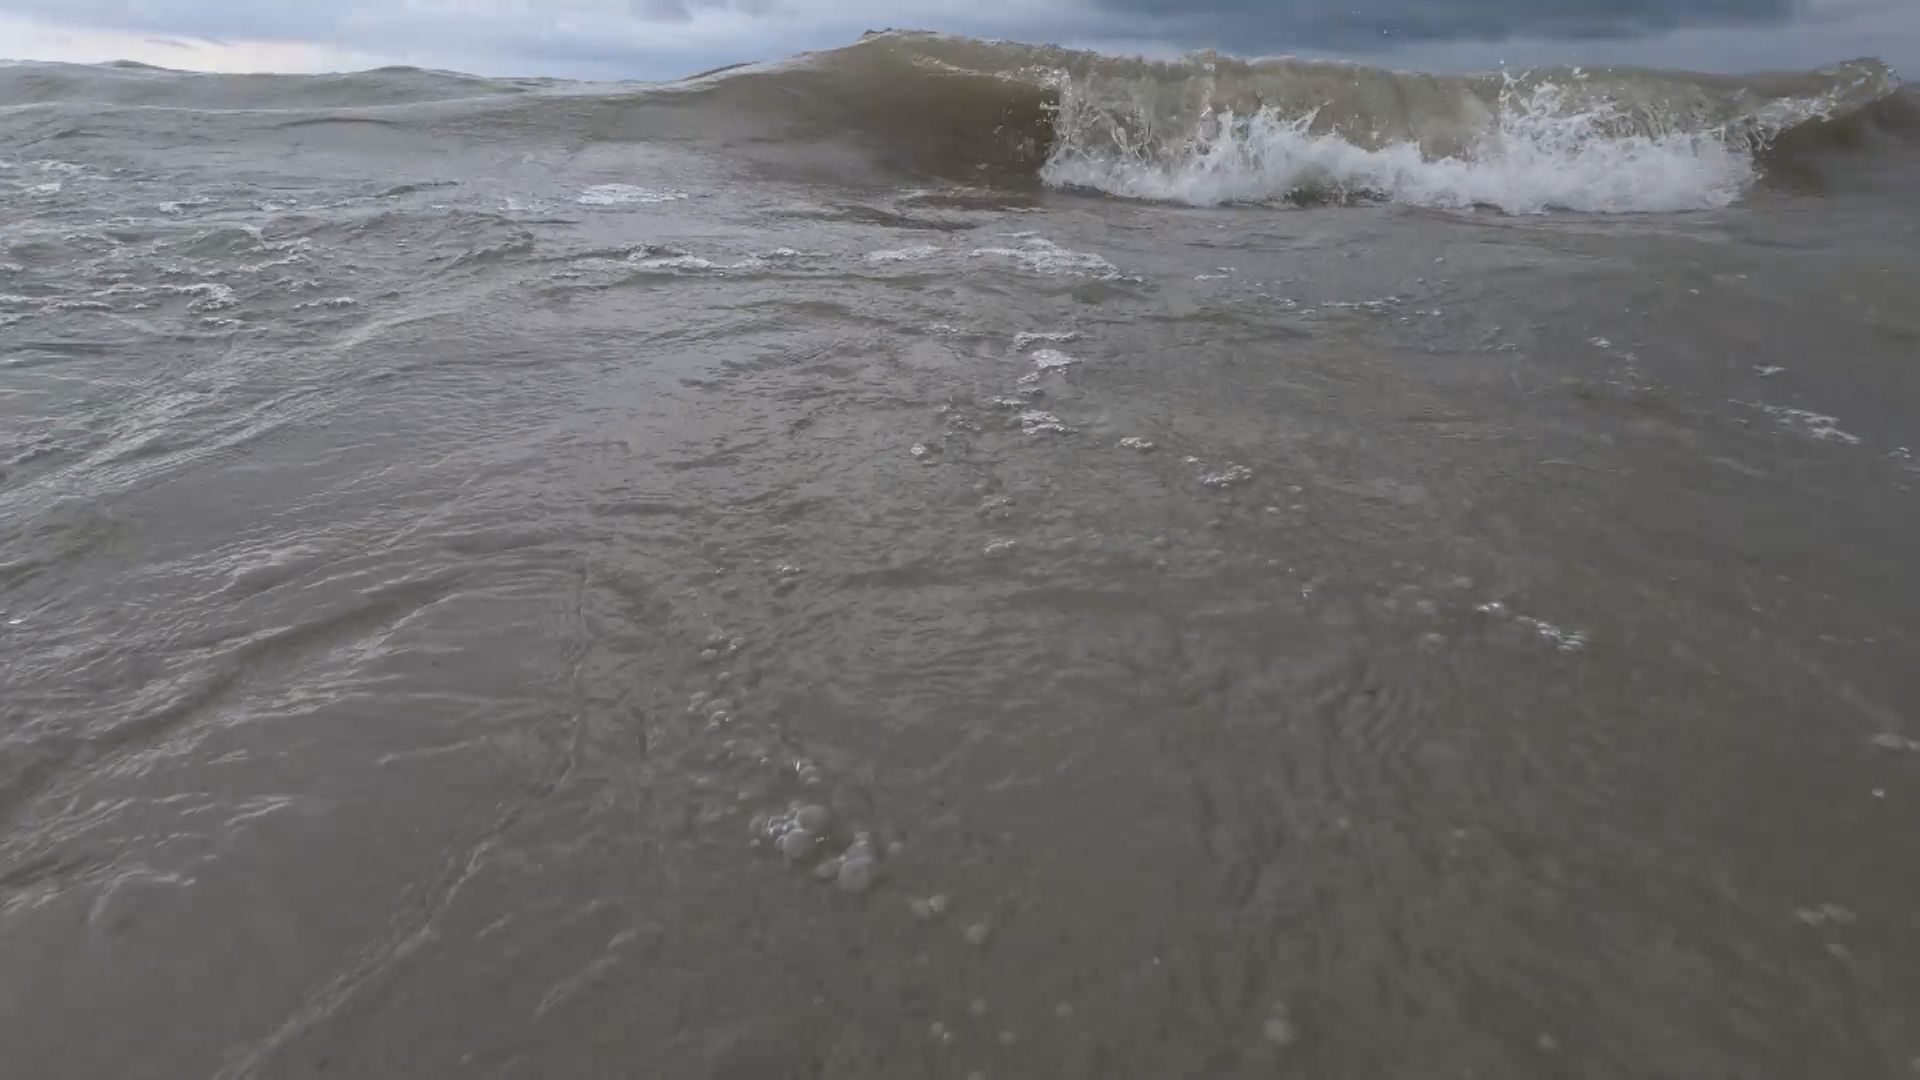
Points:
x=1227, y=477
x=1028, y=340
x=1565, y=640
x=1036, y=422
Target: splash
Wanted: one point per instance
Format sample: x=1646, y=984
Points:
x=1546, y=151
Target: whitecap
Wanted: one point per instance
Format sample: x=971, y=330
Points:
x=1546, y=151
x=209, y=296
x=1048, y=258
x=1027, y=340
x=1051, y=360
x=626, y=195
x=916, y=253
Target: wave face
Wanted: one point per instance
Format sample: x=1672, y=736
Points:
x=1205, y=131
x=1210, y=130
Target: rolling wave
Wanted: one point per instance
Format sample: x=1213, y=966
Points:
x=1206, y=130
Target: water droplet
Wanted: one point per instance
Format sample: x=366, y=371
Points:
x=978, y=934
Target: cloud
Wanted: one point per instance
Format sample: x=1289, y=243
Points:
x=603, y=38
x=658, y=38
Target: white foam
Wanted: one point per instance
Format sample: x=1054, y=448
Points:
x=1812, y=424
x=1036, y=422
x=1545, y=153
x=1227, y=477
x=210, y=296
x=1027, y=340
x=693, y=264
x=1048, y=258
x=626, y=195
x=1567, y=641
x=1051, y=360
x=916, y=253
x=1376, y=306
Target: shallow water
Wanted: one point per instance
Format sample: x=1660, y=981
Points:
x=1354, y=641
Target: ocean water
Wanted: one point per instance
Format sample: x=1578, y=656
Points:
x=944, y=558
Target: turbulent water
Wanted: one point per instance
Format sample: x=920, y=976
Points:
x=947, y=558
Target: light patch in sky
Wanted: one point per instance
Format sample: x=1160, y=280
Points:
x=35, y=39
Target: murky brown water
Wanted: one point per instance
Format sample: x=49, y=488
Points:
x=424, y=574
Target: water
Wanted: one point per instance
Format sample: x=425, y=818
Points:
x=536, y=579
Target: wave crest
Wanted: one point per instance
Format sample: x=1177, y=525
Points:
x=1205, y=130
x=1210, y=130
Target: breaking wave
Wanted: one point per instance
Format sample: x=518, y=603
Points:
x=1206, y=130
x=1211, y=130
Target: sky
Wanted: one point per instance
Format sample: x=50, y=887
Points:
x=657, y=39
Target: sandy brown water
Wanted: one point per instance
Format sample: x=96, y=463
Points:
x=424, y=568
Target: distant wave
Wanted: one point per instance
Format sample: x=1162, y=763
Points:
x=1206, y=130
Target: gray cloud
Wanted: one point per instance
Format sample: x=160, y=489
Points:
x=652, y=38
